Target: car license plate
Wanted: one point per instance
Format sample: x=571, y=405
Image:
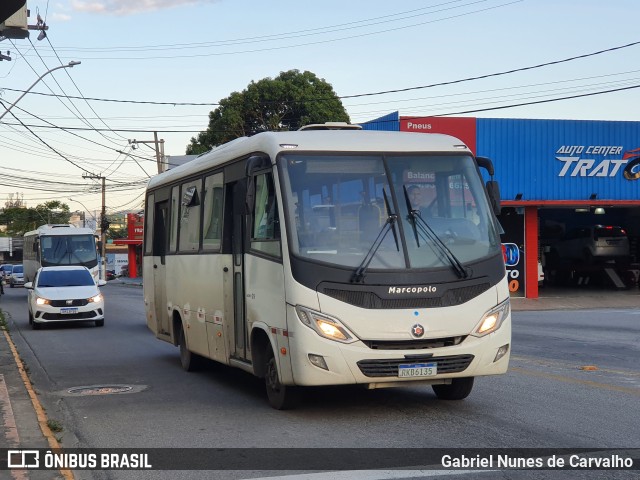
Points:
x=68, y=310
x=418, y=370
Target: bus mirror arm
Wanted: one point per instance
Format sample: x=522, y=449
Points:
x=493, y=190
x=487, y=164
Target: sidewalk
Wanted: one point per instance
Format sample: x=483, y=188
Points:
x=136, y=282
x=23, y=419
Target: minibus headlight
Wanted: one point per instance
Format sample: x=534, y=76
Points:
x=42, y=301
x=324, y=325
x=492, y=320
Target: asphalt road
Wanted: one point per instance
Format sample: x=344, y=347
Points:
x=548, y=399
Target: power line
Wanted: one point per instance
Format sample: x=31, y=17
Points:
x=602, y=92
x=383, y=92
x=277, y=36
x=348, y=37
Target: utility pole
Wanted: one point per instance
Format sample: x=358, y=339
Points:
x=159, y=147
x=104, y=224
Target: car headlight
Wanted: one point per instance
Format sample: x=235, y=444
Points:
x=325, y=326
x=42, y=301
x=492, y=320
x=97, y=298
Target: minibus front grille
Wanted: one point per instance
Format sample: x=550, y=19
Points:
x=414, y=344
x=389, y=368
x=369, y=299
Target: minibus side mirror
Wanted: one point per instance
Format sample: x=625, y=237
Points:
x=493, y=189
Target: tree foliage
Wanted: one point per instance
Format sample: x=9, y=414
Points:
x=19, y=220
x=287, y=102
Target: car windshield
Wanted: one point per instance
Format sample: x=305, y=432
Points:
x=17, y=269
x=337, y=206
x=65, y=278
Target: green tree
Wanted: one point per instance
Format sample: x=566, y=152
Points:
x=19, y=220
x=287, y=102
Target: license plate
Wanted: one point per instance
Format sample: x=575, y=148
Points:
x=418, y=370
x=68, y=310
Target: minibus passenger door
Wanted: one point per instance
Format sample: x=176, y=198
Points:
x=239, y=347
x=160, y=239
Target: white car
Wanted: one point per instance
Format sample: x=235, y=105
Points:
x=16, y=277
x=592, y=244
x=540, y=274
x=65, y=294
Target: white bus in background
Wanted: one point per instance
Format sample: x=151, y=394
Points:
x=59, y=244
x=299, y=257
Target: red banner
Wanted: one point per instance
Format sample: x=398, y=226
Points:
x=135, y=226
x=463, y=128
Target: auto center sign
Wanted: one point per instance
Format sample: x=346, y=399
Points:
x=591, y=161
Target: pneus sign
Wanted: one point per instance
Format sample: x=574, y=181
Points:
x=579, y=161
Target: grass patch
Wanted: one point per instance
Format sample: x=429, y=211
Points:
x=55, y=426
x=3, y=321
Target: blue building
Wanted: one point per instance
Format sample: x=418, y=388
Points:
x=554, y=175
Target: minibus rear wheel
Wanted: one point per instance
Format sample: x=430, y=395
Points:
x=190, y=361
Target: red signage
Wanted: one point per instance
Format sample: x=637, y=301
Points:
x=463, y=128
x=135, y=226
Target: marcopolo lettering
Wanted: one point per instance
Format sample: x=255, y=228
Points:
x=420, y=289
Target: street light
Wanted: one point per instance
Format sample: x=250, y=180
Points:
x=68, y=65
x=85, y=209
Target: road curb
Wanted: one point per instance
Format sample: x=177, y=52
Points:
x=26, y=423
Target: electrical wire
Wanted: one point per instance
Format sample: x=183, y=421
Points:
x=348, y=37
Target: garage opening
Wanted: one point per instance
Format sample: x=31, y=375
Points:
x=589, y=248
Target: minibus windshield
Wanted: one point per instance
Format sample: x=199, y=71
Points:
x=336, y=209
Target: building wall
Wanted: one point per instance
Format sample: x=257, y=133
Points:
x=389, y=123
x=546, y=160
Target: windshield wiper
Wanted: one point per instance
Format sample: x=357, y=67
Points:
x=392, y=218
x=420, y=226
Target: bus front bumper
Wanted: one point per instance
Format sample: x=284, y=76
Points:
x=356, y=363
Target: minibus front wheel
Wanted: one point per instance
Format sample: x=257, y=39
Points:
x=281, y=397
x=459, y=389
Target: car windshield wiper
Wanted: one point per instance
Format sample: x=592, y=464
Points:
x=392, y=218
x=420, y=226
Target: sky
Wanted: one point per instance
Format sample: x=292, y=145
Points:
x=162, y=65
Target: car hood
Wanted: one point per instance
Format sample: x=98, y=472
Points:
x=64, y=293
